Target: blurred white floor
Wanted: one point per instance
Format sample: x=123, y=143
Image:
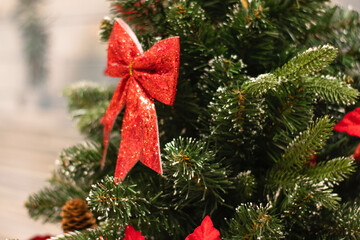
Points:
x=30, y=142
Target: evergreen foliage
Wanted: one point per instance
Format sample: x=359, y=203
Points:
x=48, y=202
x=87, y=104
x=345, y=222
x=258, y=93
x=254, y=222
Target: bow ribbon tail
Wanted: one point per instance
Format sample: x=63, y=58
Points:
x=139, y=133
x=116, y=105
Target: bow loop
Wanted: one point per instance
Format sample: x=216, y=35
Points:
x=158, y=68
x=123, y=48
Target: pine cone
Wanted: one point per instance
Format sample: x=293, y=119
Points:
x=76, y=216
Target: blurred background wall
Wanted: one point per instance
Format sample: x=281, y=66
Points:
x=73, y=52
x=34, y=125
x=354, y=4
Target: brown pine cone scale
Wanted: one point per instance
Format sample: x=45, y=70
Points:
x=76, y=216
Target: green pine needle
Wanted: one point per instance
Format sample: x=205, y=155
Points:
x=334, y=171
x=331, y=89
x=346, y=222
x=254, y=222
x=311, y=61
x=289, y=169
x=196, y=173
x=108, y=230
x=86, y=95
x=47, y=203
x=81, y=163
x=262, y=84
x=301, y=149
x=87, y=103
x=246, y=184
x=118, y=200
x=305, y=195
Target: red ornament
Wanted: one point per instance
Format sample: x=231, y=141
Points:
x=205, y=231
x=145, y=76
x=356, y=154
x=132, y=234
x=350, y=123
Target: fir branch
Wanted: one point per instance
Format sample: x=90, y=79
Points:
x=89, y=120
x=248, y=120
x=289, y=168
x=223, y=70
x=245, y=184
x=294, y=18
x=248, y=33
x=302, y=206
x=279, y=179
x=254, y=222
x=199, y=44
x=262, y=84
x=110, y=230
x=128, y=203
x=86, y=95
x=346, y=222
x=307, y=194
x=301, y=149
x=87, y=103
x=331, y=89
x=147, y=17
x=236, y=115
x=106, y=28
x=83, y=235
x=48, y=202
x=333, y=171
x=196, y=174
x=310, y=61
x=81, y=163
x=340, y=27
x=118, y=200
x=323, y=195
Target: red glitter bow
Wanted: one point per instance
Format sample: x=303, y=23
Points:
x=145, y=76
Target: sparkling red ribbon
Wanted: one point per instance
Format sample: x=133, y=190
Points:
x=144, y=76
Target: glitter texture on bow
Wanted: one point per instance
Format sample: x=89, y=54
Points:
x=145, y=76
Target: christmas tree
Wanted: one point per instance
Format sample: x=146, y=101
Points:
x=248, y=145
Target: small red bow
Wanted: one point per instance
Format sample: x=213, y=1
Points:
x=145, y=76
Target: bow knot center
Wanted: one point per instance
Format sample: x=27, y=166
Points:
x=131, y=68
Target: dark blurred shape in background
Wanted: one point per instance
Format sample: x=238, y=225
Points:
x=35, y=38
